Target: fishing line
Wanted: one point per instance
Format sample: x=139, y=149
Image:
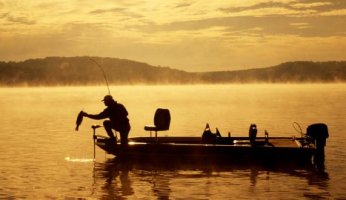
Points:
x=298, y=128
x=103, y=73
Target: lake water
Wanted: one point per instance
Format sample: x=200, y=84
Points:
x=43, y=157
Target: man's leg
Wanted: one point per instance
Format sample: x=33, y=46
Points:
x=108, y=127
x=124, y=134
x=123, y=137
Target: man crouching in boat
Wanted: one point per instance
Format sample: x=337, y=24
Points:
x=117, y=114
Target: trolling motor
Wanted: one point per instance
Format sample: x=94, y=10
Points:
x=318, y=133
x=94, y=127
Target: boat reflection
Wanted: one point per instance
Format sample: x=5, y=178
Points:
x=117, y=183
x=121, y=178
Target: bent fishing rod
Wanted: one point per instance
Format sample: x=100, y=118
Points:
x=79, y=119
x=103, y=73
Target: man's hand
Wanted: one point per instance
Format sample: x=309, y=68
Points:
x=85, y=114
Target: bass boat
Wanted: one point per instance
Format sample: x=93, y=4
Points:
x=307, y=149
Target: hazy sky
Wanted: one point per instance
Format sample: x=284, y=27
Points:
x=204, y=35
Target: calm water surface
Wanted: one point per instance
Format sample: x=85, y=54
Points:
x=43, y=157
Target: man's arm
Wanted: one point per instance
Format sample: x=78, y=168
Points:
x=102, y=115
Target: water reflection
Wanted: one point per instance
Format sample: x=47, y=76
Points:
x=119, y=179
x=115, y=178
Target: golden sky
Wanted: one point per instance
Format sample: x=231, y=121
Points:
x=204, y=35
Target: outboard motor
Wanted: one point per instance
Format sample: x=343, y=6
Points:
x=319, y=134
x=252, y=134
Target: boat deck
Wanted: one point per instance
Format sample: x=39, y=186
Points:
x=281, y=142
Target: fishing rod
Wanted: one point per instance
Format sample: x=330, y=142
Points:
x=94, y=127
x=103, y=73
x=81, y=113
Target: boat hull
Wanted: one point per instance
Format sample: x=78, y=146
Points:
x=278, y=150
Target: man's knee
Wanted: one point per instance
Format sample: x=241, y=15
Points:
x=107, y=123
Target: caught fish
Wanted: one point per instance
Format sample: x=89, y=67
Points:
x=79, y=120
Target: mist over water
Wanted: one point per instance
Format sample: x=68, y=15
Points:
x=44, y=157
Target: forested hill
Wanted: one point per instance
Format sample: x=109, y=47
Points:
x=290, y=72
x=84, y=71
x=53, y=71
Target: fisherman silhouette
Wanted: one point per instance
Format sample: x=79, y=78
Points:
x=117, y=115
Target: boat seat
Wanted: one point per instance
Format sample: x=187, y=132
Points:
x=162, y=120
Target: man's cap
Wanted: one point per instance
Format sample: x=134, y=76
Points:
x=107, y=98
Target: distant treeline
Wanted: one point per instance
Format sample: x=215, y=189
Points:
x=290, y=72
x=54, y=71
